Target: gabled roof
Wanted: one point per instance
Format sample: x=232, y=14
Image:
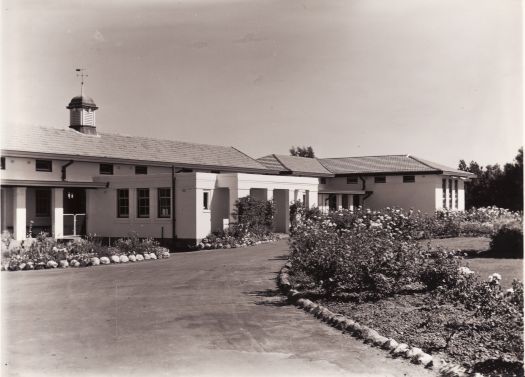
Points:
x=295, y=165
x=393, y=164
x=72, y=144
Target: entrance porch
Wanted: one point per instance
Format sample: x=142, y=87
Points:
x=58, y=211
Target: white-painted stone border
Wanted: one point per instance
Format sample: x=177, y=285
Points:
x=369, y=335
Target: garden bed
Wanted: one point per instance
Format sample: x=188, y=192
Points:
x=374, y=268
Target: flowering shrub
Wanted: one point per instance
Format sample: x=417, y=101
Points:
x=46, y=252
x=253, y=215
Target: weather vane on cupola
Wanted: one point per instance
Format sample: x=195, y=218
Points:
x=81, y=75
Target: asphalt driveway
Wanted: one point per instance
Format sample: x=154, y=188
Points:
x=207, y=313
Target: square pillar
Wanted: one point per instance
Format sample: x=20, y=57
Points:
x=57, y=213
x=338, y=201
x=235, y=194
x=20, y=219
x=312, y=198
x=351, y=202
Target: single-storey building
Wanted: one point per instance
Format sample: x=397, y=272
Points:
x=76, y=181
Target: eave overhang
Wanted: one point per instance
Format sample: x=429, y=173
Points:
x=43, y=183
x=111, y=160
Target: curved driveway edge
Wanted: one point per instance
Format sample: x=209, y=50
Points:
x=205, y=313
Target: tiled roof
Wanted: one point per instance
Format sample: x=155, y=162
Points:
x=386, y=164
x=295, y=165
x=113, y=146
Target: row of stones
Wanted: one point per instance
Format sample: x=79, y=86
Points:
x=370, y=336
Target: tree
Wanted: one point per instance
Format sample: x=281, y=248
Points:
x=495, y=186
x=302, y=151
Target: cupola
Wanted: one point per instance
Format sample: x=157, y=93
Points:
x=82, y=115
x=82, y=110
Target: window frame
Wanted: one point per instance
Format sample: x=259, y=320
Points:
x=120, y=214
x=48, y=168
x=206, y=195
x=145, y=203
x=2, y=163
x=139, y=167
x=409, y=179
x=352, y=180
x=102, y=172
x=40, y=201
x=322, y=181
x=380, y=179
x=160, y=205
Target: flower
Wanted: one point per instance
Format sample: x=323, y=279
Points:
x=465, y=271
x=495, y=278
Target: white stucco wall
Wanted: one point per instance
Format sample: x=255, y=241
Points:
x=102, y=207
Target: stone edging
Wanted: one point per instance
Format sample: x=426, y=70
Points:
x=369, y=335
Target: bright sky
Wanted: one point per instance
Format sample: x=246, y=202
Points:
x=439, y=79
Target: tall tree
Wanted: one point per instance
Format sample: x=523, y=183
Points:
x=495, y=186
x=302, y=151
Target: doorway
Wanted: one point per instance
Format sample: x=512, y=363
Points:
x=74, y=212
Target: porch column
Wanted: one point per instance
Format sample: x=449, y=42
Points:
x=20, y=220
x=235, y=194
x=351, y=202
x=311, y=198
x=339, y=201
x=57, y=215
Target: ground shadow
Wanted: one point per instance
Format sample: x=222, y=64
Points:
x=269, y=297
x=279, y=257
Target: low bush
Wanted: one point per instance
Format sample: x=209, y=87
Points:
x=507, y=242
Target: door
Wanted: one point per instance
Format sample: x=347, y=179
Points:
x=74, y=212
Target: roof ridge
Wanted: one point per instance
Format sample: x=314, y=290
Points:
x=381, y=155
x=282, y=163
x=424, y=163
x=251, y=158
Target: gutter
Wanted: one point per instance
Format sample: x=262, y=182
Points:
x=64, y=167
x=367, y=193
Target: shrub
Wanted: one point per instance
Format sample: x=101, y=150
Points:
x=507, y=243
x=253, y=215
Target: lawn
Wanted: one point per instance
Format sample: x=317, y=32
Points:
x=509, y=269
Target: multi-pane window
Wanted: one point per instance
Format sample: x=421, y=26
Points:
x=43, y=165
x=206, y=200
x=444, y=189
x=141, y=169
x=351, y=180
x=380, y=179
x=142, y=202
x=2, y=159
x=322, y=181
x=409, y=178
x=450, y=202
x=106, y=169
x=164, y=202
x=456, y=192
x=123, y=203
x=43, y=203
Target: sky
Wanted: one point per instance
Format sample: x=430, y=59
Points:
x=438, y=79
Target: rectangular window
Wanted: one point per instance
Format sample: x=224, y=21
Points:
x=106, y=169
x=322, y=181
x=409, y=178
x=351, y=180
x=444, y=189
x=450, y=202
x=3, y=162
x=143, y=202
x=43, y=203
x=206, y=200
x=123, y=203
x=164, y=202
x=380, y=179
x=43, y=165
x=141, y=169
x=456, y=191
